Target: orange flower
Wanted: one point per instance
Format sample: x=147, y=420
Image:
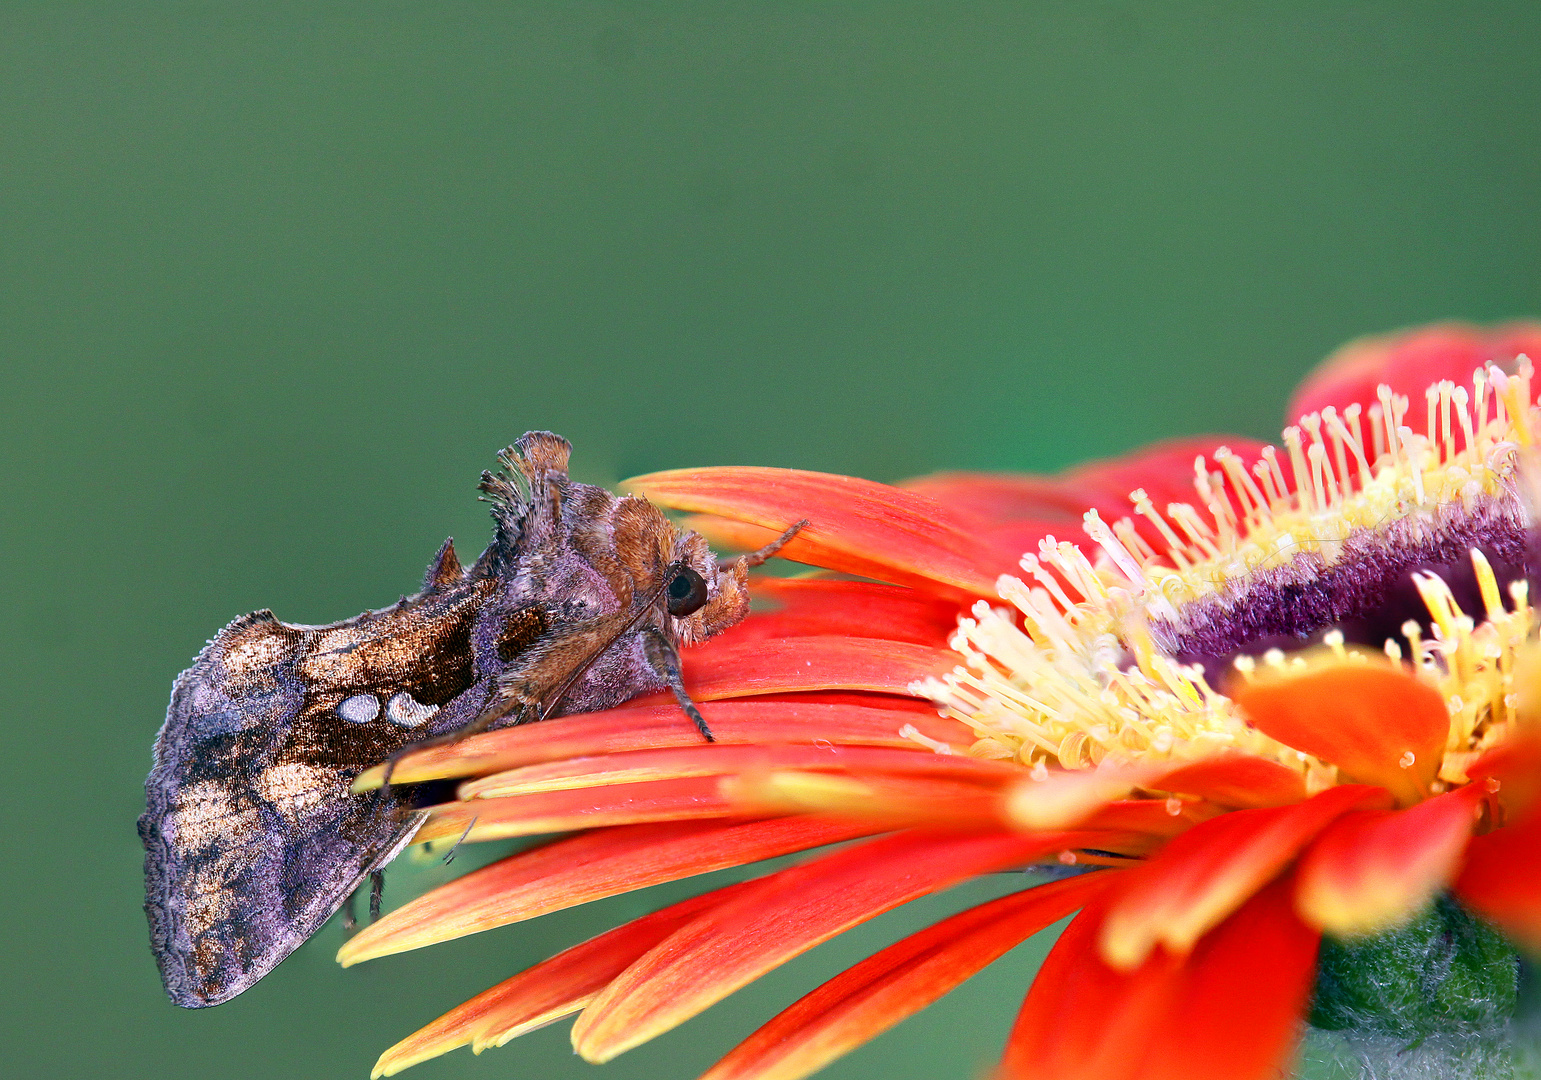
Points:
x=1125, y=703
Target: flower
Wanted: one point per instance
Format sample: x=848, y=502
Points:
x=1279, y=693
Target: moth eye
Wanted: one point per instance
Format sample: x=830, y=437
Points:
x=687, y=592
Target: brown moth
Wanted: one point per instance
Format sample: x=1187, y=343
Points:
x=252, y=836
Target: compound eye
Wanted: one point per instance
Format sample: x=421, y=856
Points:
x=687, y=592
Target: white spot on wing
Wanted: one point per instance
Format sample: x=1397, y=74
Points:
x=359, y=709
x=407, y=711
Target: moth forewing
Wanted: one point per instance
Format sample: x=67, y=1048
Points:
x=252, y=836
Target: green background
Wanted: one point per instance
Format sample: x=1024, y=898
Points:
x=277, y=280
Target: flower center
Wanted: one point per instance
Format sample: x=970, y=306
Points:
x=1418, y=546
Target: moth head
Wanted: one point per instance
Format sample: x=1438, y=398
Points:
x=542, y=515
x=675, y=572
x=702, y=595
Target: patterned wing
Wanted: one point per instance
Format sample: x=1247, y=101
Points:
x=251, y=834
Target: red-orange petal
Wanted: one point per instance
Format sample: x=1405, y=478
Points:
x=895, y=801
x=809, y=606
x=1230, y=1011
x=865, y=1000
x=1019, y=511
x=1409, y=361
x=586, y=867
x=1378, y=724
x=1164, y=469
x=1515, y=765
x=1243, y=995
x=729, y=669
x=1153, y=817
x=550, y=990
x=790, y=913
x=855, y=525
x=718, y=759
x=997, y=498
x=1067, y=797
x=1204, y=875
x=1371, y=870
x=1083, y=1020
x=684, y=799
x=1501, y=880
x=639, y=727
x=1238, y=781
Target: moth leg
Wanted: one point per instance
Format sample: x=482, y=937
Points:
x=755, y=558
x=451, y=856
x=349, y=922
x=376, y=894
x=664, y=659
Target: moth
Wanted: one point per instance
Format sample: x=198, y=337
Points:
x=252, y=837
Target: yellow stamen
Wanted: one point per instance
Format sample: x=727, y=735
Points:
x=1089, y=684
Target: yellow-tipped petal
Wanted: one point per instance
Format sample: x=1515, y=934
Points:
x=1371, y=871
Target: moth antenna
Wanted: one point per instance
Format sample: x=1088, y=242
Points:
x=445, y=569
x=664, y=658
x=760, y=555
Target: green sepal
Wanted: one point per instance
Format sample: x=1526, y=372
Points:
x=1444, y=973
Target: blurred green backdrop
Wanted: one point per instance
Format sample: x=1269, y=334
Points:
x=277, y=280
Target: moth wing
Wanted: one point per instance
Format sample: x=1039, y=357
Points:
x=252, y=837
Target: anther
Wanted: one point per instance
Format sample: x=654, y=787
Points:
x=1414, y=445
x=1431, y=396
x=1271, y=455
x=1388, y=418
x=1032, y=565
x=1104, y=537
x=1124, y=529
x=1508, y=391
x=1377, y=432
x=1302, y=474
x=1337, y=433
x=1446, y=387
x=1265, y=477
x=1326, y=493
x=1198, y=530
x=1342, y=435
x=1461, y=398
x=1252, y=500
x=1487, y=583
